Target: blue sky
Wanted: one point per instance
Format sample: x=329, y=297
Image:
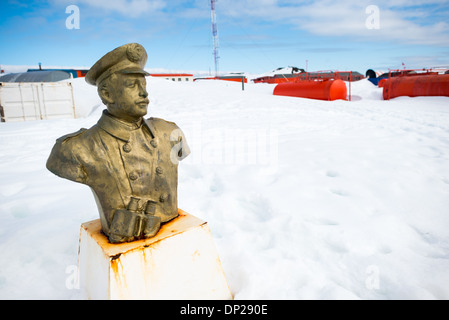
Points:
x=255, y=36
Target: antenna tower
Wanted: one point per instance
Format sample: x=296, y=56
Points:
x=214, y=34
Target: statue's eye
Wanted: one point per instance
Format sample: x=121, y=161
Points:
x=130, y=83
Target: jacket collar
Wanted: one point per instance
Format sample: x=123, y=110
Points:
x=121, y=129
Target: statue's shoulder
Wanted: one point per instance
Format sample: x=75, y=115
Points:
x=71, y=135
x=161, y=125
x=162, y=122
x=64, y=160
x=171, y=131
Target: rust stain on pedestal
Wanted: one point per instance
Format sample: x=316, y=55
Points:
x=179, y=224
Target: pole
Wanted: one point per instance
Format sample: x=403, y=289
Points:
x=214, y=34
x=350, y=73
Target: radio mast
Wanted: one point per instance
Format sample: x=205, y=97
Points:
x=214, y=34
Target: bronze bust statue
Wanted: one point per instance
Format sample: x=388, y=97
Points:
x=130, y=163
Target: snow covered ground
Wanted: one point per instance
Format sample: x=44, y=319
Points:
x=306, y=199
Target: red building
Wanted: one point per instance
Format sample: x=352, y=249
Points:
x=185, y=77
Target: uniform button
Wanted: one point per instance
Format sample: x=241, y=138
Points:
x=133, y=176
x=153, y=143
x=163, y=197
x=159, y=170
x=127, y=147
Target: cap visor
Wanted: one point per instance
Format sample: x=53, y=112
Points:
x=134, y=70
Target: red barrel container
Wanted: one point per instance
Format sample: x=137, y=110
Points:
x=382, y=83
x=320, y=90
x=426, y=85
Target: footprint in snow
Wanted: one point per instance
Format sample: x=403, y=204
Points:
x=332, y=174
x=340, y=192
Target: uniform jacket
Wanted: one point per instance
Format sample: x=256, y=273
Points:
x=119, y=161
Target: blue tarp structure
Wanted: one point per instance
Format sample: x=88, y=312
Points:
x=36, y=76
x=375, y=81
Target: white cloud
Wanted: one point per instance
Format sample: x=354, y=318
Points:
x=409, y=22
x=128, y=8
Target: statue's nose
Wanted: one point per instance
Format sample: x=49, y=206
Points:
x=142, y=91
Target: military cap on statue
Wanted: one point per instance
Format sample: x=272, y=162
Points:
x=129, y=58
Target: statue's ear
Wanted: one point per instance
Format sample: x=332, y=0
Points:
x=105, y=95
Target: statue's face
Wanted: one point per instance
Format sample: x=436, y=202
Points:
x=130, y=97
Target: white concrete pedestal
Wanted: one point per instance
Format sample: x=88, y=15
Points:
x=180, y=262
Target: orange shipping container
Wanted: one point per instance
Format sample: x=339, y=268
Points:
x=320, y=90
x=427, y=85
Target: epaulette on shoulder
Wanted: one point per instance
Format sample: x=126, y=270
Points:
x=161, y=125
x=71, y=135
x=162, y=121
